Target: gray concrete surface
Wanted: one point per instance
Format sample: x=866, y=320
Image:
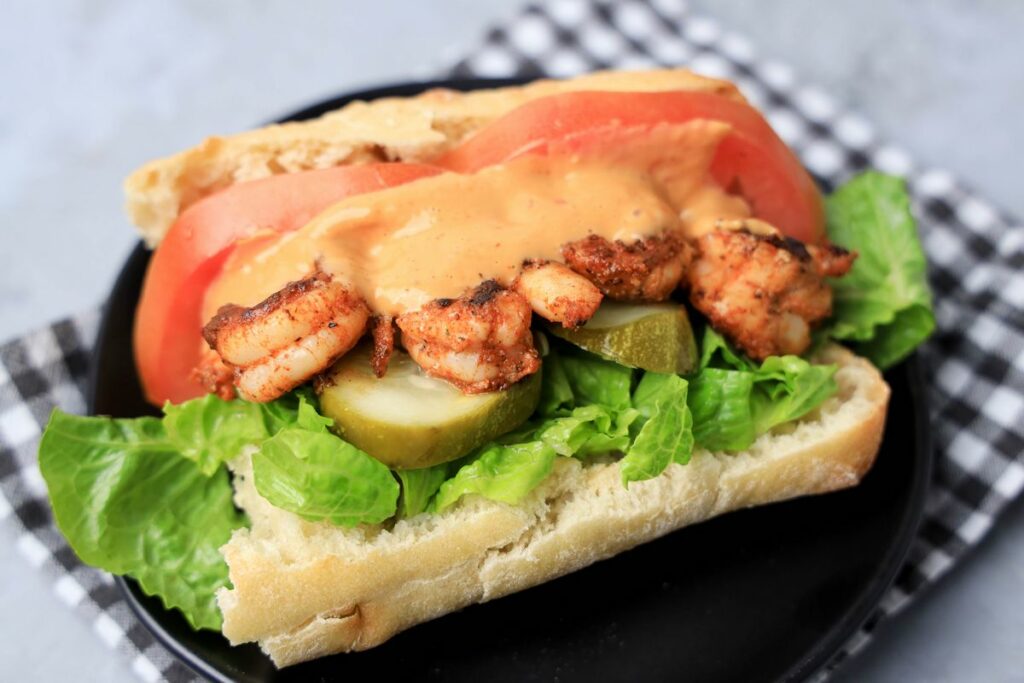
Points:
x=91, y=89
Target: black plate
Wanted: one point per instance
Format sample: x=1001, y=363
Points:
x=758, y=595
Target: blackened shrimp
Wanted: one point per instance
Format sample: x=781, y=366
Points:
x=479, y=342
x=288, y=338
x=649, y=269
x=558, y=294
x=763, y=291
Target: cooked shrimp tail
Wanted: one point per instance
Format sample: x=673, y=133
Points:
x=764, y=292
x=558, y=294
x=285, y=340
x=478, y=342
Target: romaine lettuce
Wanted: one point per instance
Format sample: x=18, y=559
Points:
x=787, y=388
x=594, y=380
x=419, y=487
x=500, y=472
x=666, y=435
x=720, y=401
x=883, y=305
x=734, y=400
x=319, y=476
x=129, y=503
x=210, y=431
x=151, y=498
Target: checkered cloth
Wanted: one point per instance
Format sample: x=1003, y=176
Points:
x=975, y=362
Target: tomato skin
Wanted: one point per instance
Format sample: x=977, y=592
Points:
x=168, y=325
x=752, y=159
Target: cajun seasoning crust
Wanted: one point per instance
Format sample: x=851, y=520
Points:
x=291, y=303
x=488, y=322
x=282, y=341
x=764, y=292
x=630, y=272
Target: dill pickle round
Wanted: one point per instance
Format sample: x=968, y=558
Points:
x=409, y=420
x=655, y=337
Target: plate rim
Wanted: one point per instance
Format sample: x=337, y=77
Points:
x=860, y=609
x=895, y=558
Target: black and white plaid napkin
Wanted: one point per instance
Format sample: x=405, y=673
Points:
x=975, y=362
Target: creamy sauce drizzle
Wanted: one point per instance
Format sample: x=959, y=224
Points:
x=440, y=236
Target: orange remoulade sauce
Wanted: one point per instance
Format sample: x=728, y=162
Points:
x=440, y=236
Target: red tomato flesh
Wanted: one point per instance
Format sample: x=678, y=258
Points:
x=168, y=325
x=752, y=160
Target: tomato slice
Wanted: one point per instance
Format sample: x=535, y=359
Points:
x=752, y=160
x=168, y=325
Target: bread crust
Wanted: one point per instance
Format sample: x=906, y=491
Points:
x=389, y=129
x=306, y=590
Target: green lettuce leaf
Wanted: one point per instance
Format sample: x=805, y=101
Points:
x=307, y=414
x=299, y=408
x=594, y=380
x=715, y=351
x=419, y=487
x=151, y=498
x=734, y=400
x=787, y=388
x=505, y=473
x=210, y=431
x=666, y=436
x=129, y=503
x=720, y=401
x=611, y=436
x=586, y=430
x=883, y=305
x=318, y=476
x=555, y=391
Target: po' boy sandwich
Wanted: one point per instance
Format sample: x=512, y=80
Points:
x=425, y=352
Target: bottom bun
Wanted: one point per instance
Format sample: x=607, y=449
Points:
x=304, y=590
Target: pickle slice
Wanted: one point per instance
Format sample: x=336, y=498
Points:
x=655, y=337
x=408, y=420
